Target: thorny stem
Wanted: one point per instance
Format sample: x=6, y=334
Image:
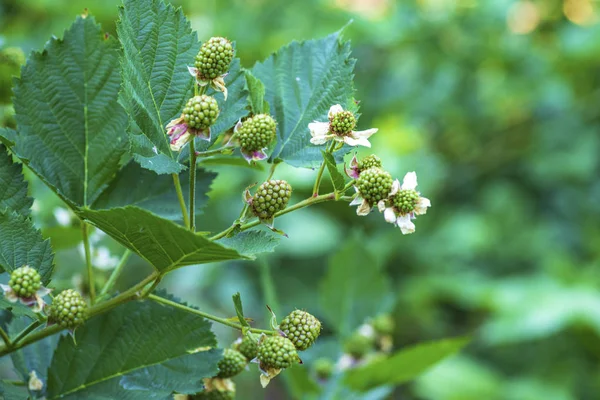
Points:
x=130, y=294
x=88, y=262
x=184, y=213
x=321, y=170
x=116, y=273
x=193, y=158
x=305, y=203
x=223, y=321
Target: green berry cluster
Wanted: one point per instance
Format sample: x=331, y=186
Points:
x=342, y=123
x=374, y=184
x=276, y=352
x=271, y=196
x=358, y=345
x=371, y=161
x=405, y=200
x=383, y=324
x=257, y=132
x=201, y=112
x=233, y=363
x=214, y=58
x=323, y=368
x=25, y=281
x=68, y=309
x=301, y=328
x=214, y=395
x=248, y=347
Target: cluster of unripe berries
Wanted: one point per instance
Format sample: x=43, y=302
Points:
x=257, y=132
x=298, y=331
x=68, y=308
x=201, y=112
x=214, y=58
x=270, y=197
x=374, y=184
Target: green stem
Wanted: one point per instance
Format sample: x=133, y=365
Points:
x=14, y=383
x=272, y=170
x=193, y=158
x=5, y=338
x=321, y=170
x=116, y=273
x=220, y=150
x=305, y=203
x=184, y=213
x=223, y=321
x=26, y=331
x=88, y=262
x=99, y=308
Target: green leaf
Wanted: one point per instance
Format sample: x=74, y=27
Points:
x=301, y=92
x=16, y=309
x=158, y=45
x=13, y=392
x=404, y=365
x=71, y=129
x=134, y=185
x=164, y=244
x=252, y=242
x=256, y=99
x=35, y=356
x=8, y=137
x=353, y=288
x=13, y=187
x=300, y=382
x=239, y=309
x=229, y=161
x=336, y=177
x=22, y=244
x=138, y=349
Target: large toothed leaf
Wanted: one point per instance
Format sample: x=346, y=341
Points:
x=159, y=241
x=13, y=188
x=135, y=185
x=71, y=129
x=8, y=137
x=22, y=244
x=253, y=242
x=404, y=365
x=303, y=80
x=158, y=45
x=140, y=350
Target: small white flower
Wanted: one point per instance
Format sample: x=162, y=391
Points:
x=217, y=84
x=35, y=383
x=402, y=218
x=321, y=131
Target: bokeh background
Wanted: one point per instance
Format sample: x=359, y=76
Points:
x=495, y=104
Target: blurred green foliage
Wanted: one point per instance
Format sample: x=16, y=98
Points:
x=495, y=105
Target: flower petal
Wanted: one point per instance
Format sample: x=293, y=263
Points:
x=421, y=206
x=321, y=139
x=381, y=205
x=219, y=84
x=179, y=140
x=361, y=141
x=365, y=134
x=203, y=134
x=390, y=215
x=193, y=71
x=237, y=126
x=254, y=155
x=395, y=187
x=318, y=129
x=357, y=201
x=405, y=224
x=43, y=291
x=363, y=209
x=410, y=181
x=334, y=110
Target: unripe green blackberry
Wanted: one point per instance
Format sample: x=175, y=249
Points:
x=383, y=324
x=248, y=347
x=257, y=132
x=371, y=161
x=201, y=112
x=214, y=58
x=68, y=309
x=342, y=123
x=214, y=395
x=323, y=368
x=358, y=345
x=233, y=363
x=25, y=281
x=374, y=184
x=271, y=196
x=276, y=352
x=301, y=328
x=405, y=200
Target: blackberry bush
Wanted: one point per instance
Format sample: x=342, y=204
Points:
x=270, y=197
x=301, y=328
x=233, y=363
x=342, y=123
x=276, y=352
x=257, y=132
x=25, y=281
x=248, y=347
x=374, y=184
x=68, y=309
x=201, y=112
x=214, y=58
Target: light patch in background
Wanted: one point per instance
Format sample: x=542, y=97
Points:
x=370, y=9
x=523, y=17
x=580, y=12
